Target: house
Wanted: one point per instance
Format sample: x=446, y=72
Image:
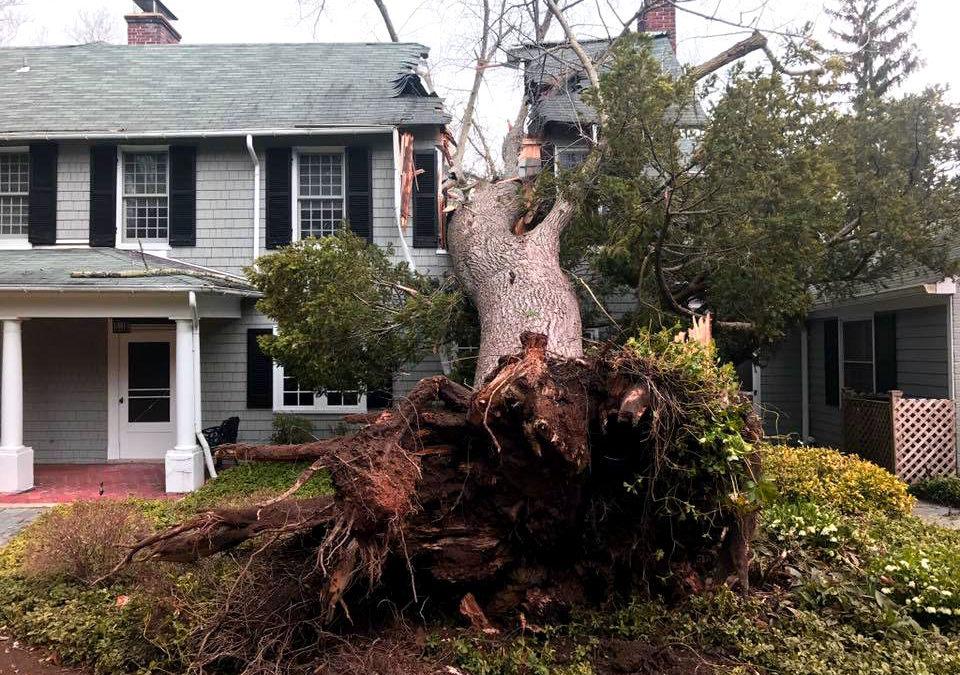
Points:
x=137, y=182
x=902, y=336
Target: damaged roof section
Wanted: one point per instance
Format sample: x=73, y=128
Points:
x=554, y=80
x=113, y=89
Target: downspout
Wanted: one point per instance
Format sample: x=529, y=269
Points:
x=256, y=197
x=198, y=408
x=804, y=383
x=397, y=169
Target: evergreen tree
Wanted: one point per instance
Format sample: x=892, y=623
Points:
x=878, y=48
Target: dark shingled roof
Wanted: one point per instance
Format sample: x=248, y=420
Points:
x=111, y=89
x=51, y=269
x=554, y=79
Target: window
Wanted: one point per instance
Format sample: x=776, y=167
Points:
x=320, y=193
x=858, y=356
x=571, y=158
x=14, y=194
x=145, y=196
x=292, y=396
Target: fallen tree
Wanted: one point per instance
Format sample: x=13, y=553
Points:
x=559, y=482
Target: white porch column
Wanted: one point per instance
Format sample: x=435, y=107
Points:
x=16, y=461
x=184, y=462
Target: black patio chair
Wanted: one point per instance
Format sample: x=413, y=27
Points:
x=224, y=433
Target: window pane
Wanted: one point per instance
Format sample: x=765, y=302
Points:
x=146, y=410
x=571, y=159
x=858, y=341
x=858, y=376
x=14, y=173
x=148, y=382
x=320, y=217
x=145, y=173
x=14, y=216
x=321, y=175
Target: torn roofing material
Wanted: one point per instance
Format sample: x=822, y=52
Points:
x=554, y=80
x=109, y=89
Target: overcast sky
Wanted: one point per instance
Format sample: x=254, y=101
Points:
x=444, y=26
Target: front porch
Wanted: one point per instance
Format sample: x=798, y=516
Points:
x=63, y=483
x=100, y=370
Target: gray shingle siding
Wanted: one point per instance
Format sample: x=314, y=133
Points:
x=65, y=389
x=923, y=352
x=73, y=193
x=781, y=389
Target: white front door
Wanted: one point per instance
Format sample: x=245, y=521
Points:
x=147, y=388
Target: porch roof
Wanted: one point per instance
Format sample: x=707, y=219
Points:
x=107, y=269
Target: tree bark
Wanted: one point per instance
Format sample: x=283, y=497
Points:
x=515, y=280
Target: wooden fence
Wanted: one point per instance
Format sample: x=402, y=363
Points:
x=914, y=438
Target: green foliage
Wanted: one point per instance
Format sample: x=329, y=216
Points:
x=346, y=315
x=250, y=482
x=291, y=430
x=783, y=193
x=943, y=490
x=522, y=656
x=842, y=483
x=806, y=525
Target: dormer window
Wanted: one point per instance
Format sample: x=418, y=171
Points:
x=319, y=177
x=145, y=200
x=14, y=194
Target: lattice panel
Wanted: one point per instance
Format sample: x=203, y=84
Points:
x=925, y=430
x=867, y=431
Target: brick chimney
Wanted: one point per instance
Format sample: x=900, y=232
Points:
x=660, y=17
x=152, y=25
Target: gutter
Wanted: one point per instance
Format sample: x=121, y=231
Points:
x=256, y=197
x=127, y=289
x=174, y=133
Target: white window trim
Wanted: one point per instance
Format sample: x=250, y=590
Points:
x=156, y=247
x=319, y=400
x=295, y=182
x=20, y=243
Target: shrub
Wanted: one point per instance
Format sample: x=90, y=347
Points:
x=846, y=484
x=941, y=490
x=84, y=540
x=808, y=526
x=291, y=430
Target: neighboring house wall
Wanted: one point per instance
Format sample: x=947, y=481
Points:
x=923, y=367
x=781, y=389
x=825, y=422
x=65, y=389
x=923, y=353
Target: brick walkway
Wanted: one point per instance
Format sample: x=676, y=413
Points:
x=59, y=483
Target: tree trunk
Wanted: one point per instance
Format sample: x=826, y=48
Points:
x=515, y=280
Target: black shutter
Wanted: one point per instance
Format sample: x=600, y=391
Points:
x=885, y=351
x=183, y=195
x=279, y=193
x=547, y=154
x=426, y=230
x=831, y=362
x=43, y=194
x=103, y=195
x=259, y=372
x=381, y=396
x=360, y=192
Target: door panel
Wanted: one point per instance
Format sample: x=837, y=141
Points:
x=147, y=394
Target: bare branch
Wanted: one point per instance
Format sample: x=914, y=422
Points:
x=386, y=20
